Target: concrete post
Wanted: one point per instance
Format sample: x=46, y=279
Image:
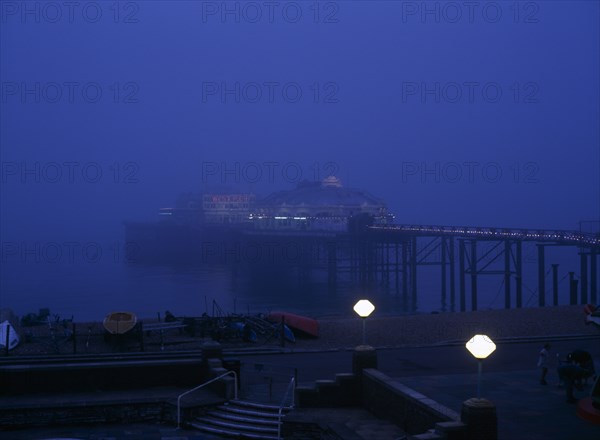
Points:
x=364, y=356
x=211, y=350
x=479, y=415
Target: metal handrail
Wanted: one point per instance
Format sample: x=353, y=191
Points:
x=201, y=386
x=291, y=385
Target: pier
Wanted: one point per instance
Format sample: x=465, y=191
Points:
x=348, y=235
x=391, y=255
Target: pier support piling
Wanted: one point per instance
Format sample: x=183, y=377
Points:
x=593, y=276
x=555, y=284
x=518, y=276
x=452, y=275
x=541, y=276
x=507, y=250
x=413, y=275
x=583, y=271
x=404, y=275
x=473, y=270
x=461, y=273
x=572, y=289
x=443, y=264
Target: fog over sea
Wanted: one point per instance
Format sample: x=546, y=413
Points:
x=453, y=113
x=89, y=290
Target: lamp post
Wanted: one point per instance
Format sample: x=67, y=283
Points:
x=364, y=308
x=480, y=346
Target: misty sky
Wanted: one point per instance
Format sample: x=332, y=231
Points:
x=486, y=116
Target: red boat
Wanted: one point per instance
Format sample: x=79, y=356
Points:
x=592, y=314
x=308, y=326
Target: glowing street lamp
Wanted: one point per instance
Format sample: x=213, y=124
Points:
x=480, y=346
x=364, y=308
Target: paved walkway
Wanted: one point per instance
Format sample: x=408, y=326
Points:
x=526, y=410
x=111, y=432
x=137, y=431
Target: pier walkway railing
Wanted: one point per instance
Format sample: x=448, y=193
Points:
x=495, y=233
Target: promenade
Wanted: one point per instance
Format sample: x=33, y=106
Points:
x=410, y=349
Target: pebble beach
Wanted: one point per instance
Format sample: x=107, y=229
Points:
x=439, y=328
x=336, y=333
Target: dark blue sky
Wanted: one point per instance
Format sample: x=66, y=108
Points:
x=399, y=103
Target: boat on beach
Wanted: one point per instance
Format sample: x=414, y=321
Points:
x=592, y=314
x=303, y=324
x=118, y=323
x=244, y=331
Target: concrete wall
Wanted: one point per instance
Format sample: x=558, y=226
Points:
x=96, y=414
x=411, y=411
x=99, y=375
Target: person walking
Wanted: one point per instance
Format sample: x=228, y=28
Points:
x=543, y=363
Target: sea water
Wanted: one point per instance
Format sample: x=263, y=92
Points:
x=88, y=290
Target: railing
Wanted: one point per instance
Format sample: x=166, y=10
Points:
x=201, y=386
x=292, y=386
x=561, y=236
x=267, y=376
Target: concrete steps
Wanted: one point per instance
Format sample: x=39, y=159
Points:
x=242, y=419
x=344, y=390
